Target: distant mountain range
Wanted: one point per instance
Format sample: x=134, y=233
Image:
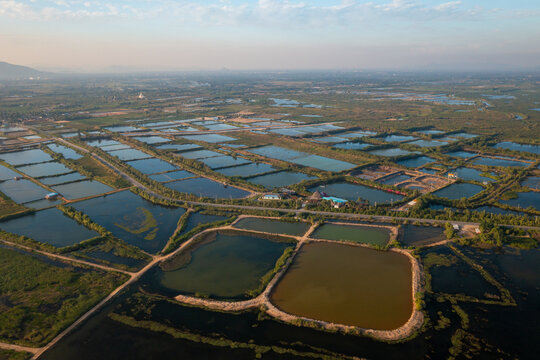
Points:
x=15, y=72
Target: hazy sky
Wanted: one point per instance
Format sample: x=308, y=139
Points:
x=271, y=34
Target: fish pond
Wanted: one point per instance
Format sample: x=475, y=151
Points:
x=458, y=191
x=349, y=285
x=472, y=174
x=203, y=187
x=532, y=182
x=82, y=189
x=66, y=152
x=45, y=169
x=391, y=152
x=397, y=138
x=179, y=147
x=26, y=157
x=371, y=235
x=525, y=200
x=534, y=149
x=280, y=179
x=7, y=173
x=151, y=166
x=133, y=219
x=461, y=154
x=416, y=162
x=210, y=138
x=224, y=161
x=173, y=175
x=55, y=180
x=49, y=226
x=129, y=154
x=247, y=170
x=198, y=218
x=503, y=162
x=428, y=143
x=354, y=192
x=414, y=235
x=23, y=190
x=274, y=226
x=223, y=265
x=352, y=145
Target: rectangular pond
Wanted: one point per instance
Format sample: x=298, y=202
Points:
x=225, y=265
x=49, y=226
x=349, y=285
x=353, y=192
x=352, y=145
x=130, y=154
x=179, y=147
x=371, y=235
x=391, y=152
x=26, y=157
x=416, y=161
x=413, y=235
x=173, y=175
x=152, y=139
x=82, y=189
x=133, y=219
x=66, y=152
x=461, y=154
x=101, y=143
x=428, y=143
x=210, y=138
x=199, y=154
x=23, y=190
x=274, y=226
x=503, y=162
x=472, y=174
x=458, y=191
x=247, y=170
x=151, y=166
x=534, y=149
x=203, y=187
x=224, y=161
x=394, y=179
x=280, y=179
x=55, y=180
x=45, y=169
x=398, y=138
x=6, y=173
x=199, y=218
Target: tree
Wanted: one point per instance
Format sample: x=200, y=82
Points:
x=449, y=230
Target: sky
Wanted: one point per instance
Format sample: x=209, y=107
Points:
x=162, y=35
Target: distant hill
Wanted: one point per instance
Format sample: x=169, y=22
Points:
x=14, y=72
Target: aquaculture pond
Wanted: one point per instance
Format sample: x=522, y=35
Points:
x=533, y=182
x=280, y=179
x=458, y=191
x=129, y=154
x=349, y=285
x=472, y=174
x=203, y=187
x=198, y=218
x=133, y=219
x=23, y=190
x=294, y=228
x=45, y=169
x=82, y=189
x=122, y=128
x=97, y=255
x=371, y=235
x=223, y=161
x=461, y=154
x=394, y=179
x=210, y=138
x=247, y=170
x=49, y=226
x=524, y=200
x=500, y=162
x=173, y=175
x=179, y=147
x=152, y=139
x=66, y=152
x=430, y=132
x=390, y=152
x=42, y=203
x=301, y=158
x=26, y=157
x=151, y=166
x=7, y=173
x=101, y=143
x=199, y=154
x=352, y=145
x=223, y=265
x=414, y=235
x=398, y=138
x=354, y=192
x=428, y=143
x=535, y=149
x=416, y=162
x=55, y=180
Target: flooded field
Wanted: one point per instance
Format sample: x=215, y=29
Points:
x=49, y=226
x=203, y=187
x=273, y=226
x=133, y=219
x=348, y=285
x=353, y=192
x=224, y=265
x=353, y=233
x=280, y=179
